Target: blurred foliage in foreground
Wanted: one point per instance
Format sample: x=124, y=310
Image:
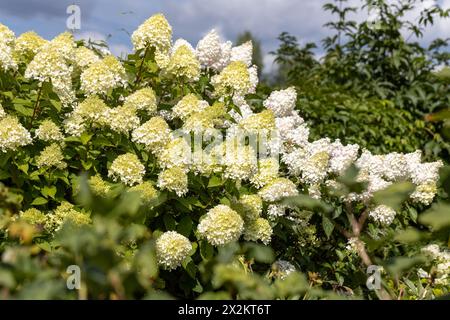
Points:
x=116, y=256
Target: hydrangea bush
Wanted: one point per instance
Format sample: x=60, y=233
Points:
x=173, y=166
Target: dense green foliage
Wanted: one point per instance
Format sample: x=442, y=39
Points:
x=372, y=86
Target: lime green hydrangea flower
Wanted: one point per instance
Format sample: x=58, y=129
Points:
x=173, y=179
x=278, y=189
x=266, y=172
x=188, y=105
x=51, y=156
x=143, y=99
x=155, y=32
x=103, y=75
x=221, y=225
x=84, y=57
x=264, y=120
x=66, y=212
x=146, y=191
x=177, y=153
x=128, y=169
x=12, y=134
x=99, y=186
x=122, y=119
x=258, y=229
x=49, y=131
x=171, y=249
x=153, y=134
x=7, y=59
x=33, y=216
x=28, y=44
x=233, y=80
x=92, y=110
x=184, y=64
x=251, y=206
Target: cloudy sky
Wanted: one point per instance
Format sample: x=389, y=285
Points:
x=114, y=20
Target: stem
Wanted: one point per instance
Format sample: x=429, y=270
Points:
x=36, y=107
x=138, y=77
x=357, y=226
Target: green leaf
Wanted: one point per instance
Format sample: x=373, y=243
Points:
x=85, y=137
x=169, y=222
x=306, y=202
x=56, y=104
x=4, y=174
x=49, y=191
x=328, y=226
x=206, y=250
x=394, y=195
x=45, y=246
x=185, y=226
x=23, y=167
x=260, y=253
x=409, y=235
x=215, y=181
x=398, y=265
x=438, y=217
x=28, y=112
x=39, y=201
x=190, y=267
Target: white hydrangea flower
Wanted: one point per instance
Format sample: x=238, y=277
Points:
x=2, y=112
x=253, y=75
x=153, y=134
x=371, y=164
x=432, y=250
x=155, y=32
x=7, y=39
x=396, y=166
x=103, y=75
x=122, y=119
x=51, y=156
x=278, y=189
x=171, y=249
x=243, y=53
x=282, y=102
x=173, y=179
x=128, y=169
x=382, y=214
x=212, y=53
x=181, y=42
x=12, y=134
x=276, y=210
x=49, y=131
x=221, y=225
x=341, y=157
x=422, y=173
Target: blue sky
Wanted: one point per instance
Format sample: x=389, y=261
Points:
x=190, y=19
